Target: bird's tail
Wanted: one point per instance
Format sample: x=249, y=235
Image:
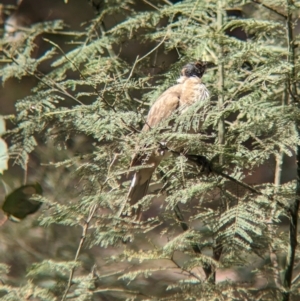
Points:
x=140, y=183
x=138, y=189
x=135, y=194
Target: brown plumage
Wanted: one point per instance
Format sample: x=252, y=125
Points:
x=189, y=90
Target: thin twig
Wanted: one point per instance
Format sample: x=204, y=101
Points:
x=196, y=248
x=221, y=79
x=272, y=231
x=150, y=4
x=296, y=279
x=82, y=240
x=58, y=47
x=62, y=112
x=54, y=84
x=131, y=72
x=130, y=128
x=80, y=73
x=152, y=50
x=277, y=183
x=168, y=2
x=218, y=248
x=207, y=268
x=185, y=270
x=270, y=8
x=240, y=183
x=201, y=160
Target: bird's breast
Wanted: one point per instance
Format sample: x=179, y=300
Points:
x=193, y=90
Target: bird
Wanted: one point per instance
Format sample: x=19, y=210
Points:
x=188, y=90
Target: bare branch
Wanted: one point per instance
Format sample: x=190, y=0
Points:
x=82, y=240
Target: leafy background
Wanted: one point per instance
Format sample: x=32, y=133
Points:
x=78, y=79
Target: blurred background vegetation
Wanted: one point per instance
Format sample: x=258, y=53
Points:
x=49, y=236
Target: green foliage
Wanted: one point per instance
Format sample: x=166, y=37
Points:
x=208, y=221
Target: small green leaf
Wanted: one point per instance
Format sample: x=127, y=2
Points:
x=18, y=205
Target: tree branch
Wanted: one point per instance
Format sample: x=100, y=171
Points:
x=218, y=247
x=294, y=208
x=270, y=8
x=196, y=248
x=82, y=240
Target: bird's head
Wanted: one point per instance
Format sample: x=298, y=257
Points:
x=195, y=69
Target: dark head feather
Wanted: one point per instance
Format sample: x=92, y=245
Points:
x=194, y=69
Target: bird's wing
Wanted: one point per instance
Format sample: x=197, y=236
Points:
x=166, y=104
x=162, y=109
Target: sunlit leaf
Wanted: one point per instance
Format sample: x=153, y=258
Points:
x=3, y=148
